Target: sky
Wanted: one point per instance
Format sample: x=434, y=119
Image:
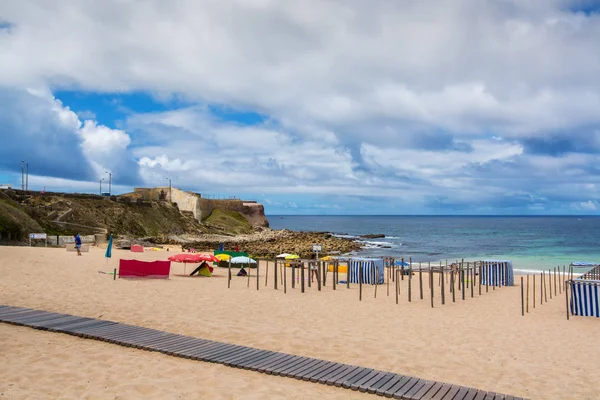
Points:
x=309, y=107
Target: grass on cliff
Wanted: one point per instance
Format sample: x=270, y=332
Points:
x=15, y=224
x=228, y=222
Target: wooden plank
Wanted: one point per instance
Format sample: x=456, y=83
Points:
x=67, y=327
x=462, y=392
x=404, y=385
x=367, y=378
x=323, y=375
x=193, y=343
x=471, y=393
x=451, y=395
x=301, y=370
x=282, y=364
x=442, y=392
x=217, y=352
x=40, y=317
x=481, y=395
x=348, y=382
x=98, y=333
x=429, y=390
x=227, y=351
x=411, y=394
x=21, y=316
x=150, y=341
x=387, y=378
x=61, y=321
x=161, y=343
x=190, y=352
x=409, y=389
x=124, y=335
x=341, y=374
x=51, y=317
x=340, y=381
x=292, y=366
x=171, y=344
x=18, y=311
x=242, y=355
x=364, y=386
x=276, y=359
x=201, y=354
x=305, y=372
x=397, y=379
x=256, y=361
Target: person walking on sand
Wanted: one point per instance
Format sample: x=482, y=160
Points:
x=78, y=244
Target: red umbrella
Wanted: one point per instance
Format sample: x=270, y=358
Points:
x=193, y=258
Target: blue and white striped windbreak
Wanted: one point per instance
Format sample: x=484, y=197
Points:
x=584, y=298
x=497, y=273
x=369, y=266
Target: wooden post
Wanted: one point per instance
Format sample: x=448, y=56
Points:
x=319, y=274
x=325, y=272
x=410, y=287
x=114, y=274
x=559, y=288
x=284, y=276
x=309, y=273
x=267, y=274
x=360, y=275
x=479, y=280
x=550, y=282
x=542, y=288
x=545, y=290
x=533, y=276
x=229, y=275
x=487, y=277
x=522, y=299
x=421, y=281
x=431, y=284
x=472, y=272
x=302, y=277
x=402, y=269
x=257, y=274
x=293, y=265
x=527, y=302
x=567, y=298
x=348, y=275
x=275, y=273
x=388, y=273
x=249, y=269
x=443, y=289
x=335, y=274
x=452, y=286
x=462, y=282
x=376, y=279
x=396, y=280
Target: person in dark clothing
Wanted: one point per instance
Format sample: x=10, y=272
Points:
x=78, y=244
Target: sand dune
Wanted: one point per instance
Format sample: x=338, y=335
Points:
x=482, y=342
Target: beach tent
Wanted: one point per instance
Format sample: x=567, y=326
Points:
x=497, y=273
x=371, y=268
x=144, y=269
x=585, y=291
x=205, y=271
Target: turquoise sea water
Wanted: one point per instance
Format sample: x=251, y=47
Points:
x=532, y=243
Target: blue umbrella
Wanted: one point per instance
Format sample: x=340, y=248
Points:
x=108, y=253
x=401, y=263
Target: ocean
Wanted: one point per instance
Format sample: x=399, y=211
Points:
x=532, y=243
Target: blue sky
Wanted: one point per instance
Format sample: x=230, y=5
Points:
x=313, y=107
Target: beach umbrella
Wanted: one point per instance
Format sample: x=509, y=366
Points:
x=208, y=257
x=186, y=258
x=223, y=257
x=401, y=263
x=108, y=253
x=327, y=258
x=283, y=255
x=292, y=256
x=242, y=260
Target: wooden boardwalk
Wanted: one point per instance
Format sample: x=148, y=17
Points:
x=270, y=362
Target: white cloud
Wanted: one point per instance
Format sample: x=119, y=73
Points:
x=406, y=99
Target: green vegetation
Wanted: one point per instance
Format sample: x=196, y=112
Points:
x=15, y=224
x=227, y=222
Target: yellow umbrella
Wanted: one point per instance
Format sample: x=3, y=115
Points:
x=223, y=257
x=327, y=258
x=292, y=256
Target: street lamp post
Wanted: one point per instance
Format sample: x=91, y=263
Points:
x=26, y=176
x=22, y=175
x=109, y=182
x=170, y=191
x=101, y=186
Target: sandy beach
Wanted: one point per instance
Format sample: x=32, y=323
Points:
x=482, y=342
